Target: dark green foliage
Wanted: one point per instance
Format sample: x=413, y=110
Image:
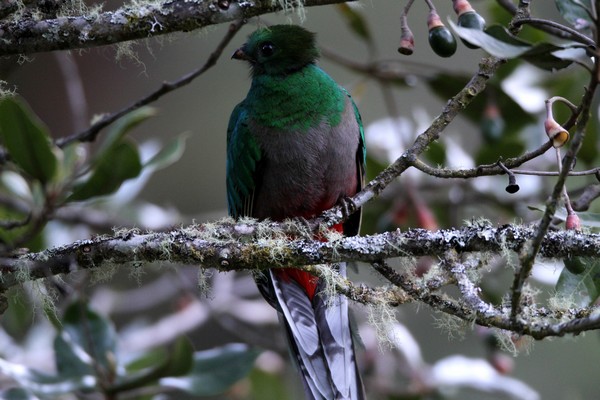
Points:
x=86, y=360
x=27, y=140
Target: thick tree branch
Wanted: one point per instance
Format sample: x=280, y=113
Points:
x=29, y=35
x=253, y=245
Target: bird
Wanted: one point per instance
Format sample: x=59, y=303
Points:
x=295, y=148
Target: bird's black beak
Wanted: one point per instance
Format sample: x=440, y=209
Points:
x=239, y=54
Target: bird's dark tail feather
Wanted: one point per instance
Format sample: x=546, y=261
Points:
x=321, y=341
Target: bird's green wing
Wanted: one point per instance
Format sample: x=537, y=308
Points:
x=352, y=225
x=243, y=157
x=362, y=149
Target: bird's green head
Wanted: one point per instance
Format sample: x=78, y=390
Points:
x=278, y=50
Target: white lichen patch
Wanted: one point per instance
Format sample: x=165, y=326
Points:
x=331, y=280
x=382, y=316
x=125, y=51
x=104, y=273
x=73, y=8
x=513, y=343
x=289, y=6
x=43, y=297
x=204, y=276
x=454, y=327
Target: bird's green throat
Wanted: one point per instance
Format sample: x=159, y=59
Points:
x=295, y=102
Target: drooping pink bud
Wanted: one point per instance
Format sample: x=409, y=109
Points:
x=573, y=223
x=407, y=46
x=407, y=40
x=556, y=132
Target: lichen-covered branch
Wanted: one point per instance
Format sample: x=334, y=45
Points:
x=28, y=34
x=255, y=245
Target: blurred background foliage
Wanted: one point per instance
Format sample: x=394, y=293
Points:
x=156, y=332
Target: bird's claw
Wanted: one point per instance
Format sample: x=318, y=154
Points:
x=347, y=205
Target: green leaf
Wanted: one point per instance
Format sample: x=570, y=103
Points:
x=85, y=336
x=19, y=316
x=501, y=44
x=181, y=358
x=356, y=21
x=17, y=394
x=265, y=385
x=155, y=364
x=71, y=360
x=588, y=219
x=497, y=41
x=544, y=56
x=27, y=140
x=581, y=288
x=169, y=154
x=574, y=12
x=122, y=127
x=120, y=163
x=44, y=384
x=215, y=370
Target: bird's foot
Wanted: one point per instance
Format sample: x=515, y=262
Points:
x=347, y=205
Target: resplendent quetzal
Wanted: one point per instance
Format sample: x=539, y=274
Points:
x=295, y=148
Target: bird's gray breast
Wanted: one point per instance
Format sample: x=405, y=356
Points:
x=305, y=172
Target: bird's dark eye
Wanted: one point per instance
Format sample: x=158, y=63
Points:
x=267, y=49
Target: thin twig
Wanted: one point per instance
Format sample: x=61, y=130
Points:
x=90, y=134
x=556, y=27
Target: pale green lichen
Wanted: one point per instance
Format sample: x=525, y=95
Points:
x=204, y=276
x=45, y=297
x=331, y=280
x=73, y=8
x=564, y=301
x=125, y=51
x=288, y=6
x=104, y=273
x=454, y=327
x=512, y=343
x=22, y=273
x=136, y=271
x=382, y=316
x=23, y=58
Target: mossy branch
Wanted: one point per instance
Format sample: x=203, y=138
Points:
x=253, y=245
x=138, y=20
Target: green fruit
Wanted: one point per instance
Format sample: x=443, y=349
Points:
x=442, y=41
x=471, y=20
